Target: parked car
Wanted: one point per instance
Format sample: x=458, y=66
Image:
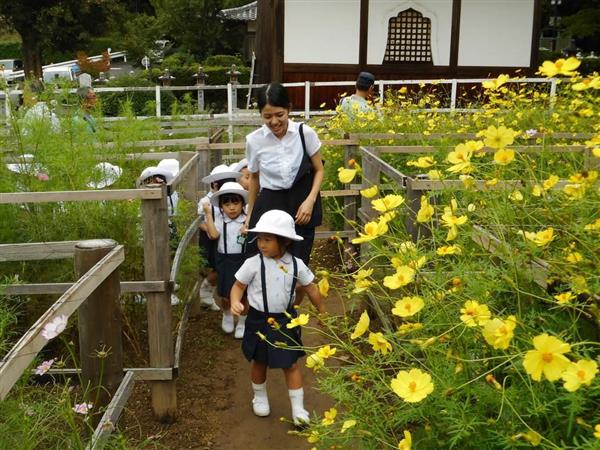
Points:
x=8, y=66
x=61, y=72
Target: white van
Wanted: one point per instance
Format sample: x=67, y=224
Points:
x=62, y=72
x=8, y=66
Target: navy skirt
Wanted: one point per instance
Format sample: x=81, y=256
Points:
x=227, y=265
x=279, y=350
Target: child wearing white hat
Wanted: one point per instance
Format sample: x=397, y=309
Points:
x=219, y=175
x=270, y=278
x=226, y=230
x=242, y=167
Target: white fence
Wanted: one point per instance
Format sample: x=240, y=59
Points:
x=233, y=89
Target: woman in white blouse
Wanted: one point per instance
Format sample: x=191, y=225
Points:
x=286, y=169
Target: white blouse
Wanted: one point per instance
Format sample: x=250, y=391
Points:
x=278, y=160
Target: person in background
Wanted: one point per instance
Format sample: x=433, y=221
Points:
x=230, y=202
x=359, y=101
x=242, y=167
x=272, y=336
x=88, y=100
x=286, y=169
x=208, y=249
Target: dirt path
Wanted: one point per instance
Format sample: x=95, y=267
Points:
x=214, y=394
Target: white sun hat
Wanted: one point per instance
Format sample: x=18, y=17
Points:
x=25, y=164
x=221, y=172
x=109, y=174
x=155, y=170
x=238, y=166
x=170, y=164
x=231, y=187
x=277, y=222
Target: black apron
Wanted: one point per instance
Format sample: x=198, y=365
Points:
x=289, y=200
x=280, y=349
x=227, y=264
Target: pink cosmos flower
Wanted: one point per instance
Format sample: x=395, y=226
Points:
x=531, y=132
x=82, y=408
x=44, y=367
x=42, y=176
x=55, y=327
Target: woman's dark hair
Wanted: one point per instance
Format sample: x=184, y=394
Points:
x=273, y=94
x=225, y=198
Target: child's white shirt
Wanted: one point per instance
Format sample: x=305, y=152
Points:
x=278, y=280
x=233, y=232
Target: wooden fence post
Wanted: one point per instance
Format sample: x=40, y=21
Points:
x=157, y=268
x=350, y=203
x=371, y=174
x=100, y=326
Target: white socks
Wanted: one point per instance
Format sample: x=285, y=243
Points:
x=227, y=322
x=260, y=402
x=299, y=414
x=240, y=327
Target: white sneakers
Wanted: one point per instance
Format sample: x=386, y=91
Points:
x=227, y=323
x=240, y=327
x=206, y=296
x=300, y=415
x=260, y=402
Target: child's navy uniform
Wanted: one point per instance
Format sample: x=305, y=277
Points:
x=271, y=292
x=208, y=247
x=229, y=255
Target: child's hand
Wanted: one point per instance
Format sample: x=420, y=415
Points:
x=206, y=208
x=236, y=308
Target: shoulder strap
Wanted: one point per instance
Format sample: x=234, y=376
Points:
x=263, y=284
x=294, y=279
x=302, y=139
x=224, y=235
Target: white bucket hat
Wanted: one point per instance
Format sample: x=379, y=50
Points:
x=238, y=166
x=277, y=222
x=153, y=171
x=25, y=164
x=170, y=164
x=109, y=174
x=221, y=172
x=230, y=187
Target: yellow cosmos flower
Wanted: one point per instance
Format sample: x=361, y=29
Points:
x=369, y=192
x=362, y=326
x=406, y=443
x=566, y=67
x=515, y=196
x=324, y=287
x=574, y=257
x=499, y=137
x=387, y=203
x=329, y=417
x=314, y=437
x=426, y=211
x=498, y=333
x=449, y=250
x=450, y=220
x=597, y=431
x=533, y=437
x=537, y=190
x=404, y=275
x=504, y=156
x=495, y=84
x=460, y=159
x=595, y=225
x=434, y=175
x=492, y=182
x=423, y=162
x=574, y=191
x=408, y=306
x=564, y=298
x=412, y=386
x=578, y=374
x=548, y=358
x=347, y=425
x=406, y=328
x=587, y=83
x=361, y=286
x=589, y=177
x=372, y=231
x=541, y=238
x=314, y=362
x=299, y=321
x=379, y=343
x=417, y=263
x=390, y=215
x=326, y=351
x=346, y=175
x=550, y=182
x=473, y=313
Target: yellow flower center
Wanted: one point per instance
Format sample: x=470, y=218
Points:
x=503, y=330
x=581, y=375
x=547, y=357
x=408, y=307
x=471, y=312
x=412, y=386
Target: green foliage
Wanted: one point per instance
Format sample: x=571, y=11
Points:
x=10, y=50
x=140, y=103
x=223, y=60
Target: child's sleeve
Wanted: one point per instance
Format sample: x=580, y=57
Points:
x=305, y=276
x=246, y=273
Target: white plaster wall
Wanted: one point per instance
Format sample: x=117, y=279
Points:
x=322, y=31
x=495, y=33
x=439, y=11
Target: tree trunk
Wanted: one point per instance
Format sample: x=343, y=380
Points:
x=32, y=54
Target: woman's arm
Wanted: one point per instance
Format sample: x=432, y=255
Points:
x=305, y=210
x=252, y=194
x=236, y=294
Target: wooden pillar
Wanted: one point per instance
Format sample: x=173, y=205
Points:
x=350, y=203
x=157, y=268
x=100, y=327
x=269, y=40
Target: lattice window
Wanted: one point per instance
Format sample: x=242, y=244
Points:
x=409, y=38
